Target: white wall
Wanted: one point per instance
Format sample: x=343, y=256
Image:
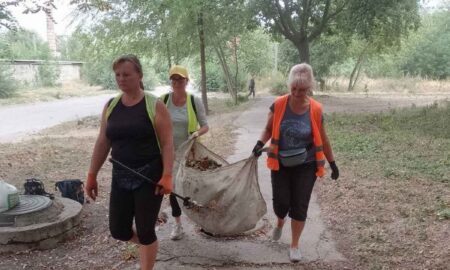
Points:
x=25, y=71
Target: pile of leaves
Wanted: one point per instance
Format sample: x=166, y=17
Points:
x=203, y=164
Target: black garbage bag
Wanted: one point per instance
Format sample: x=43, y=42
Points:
x=71, y=189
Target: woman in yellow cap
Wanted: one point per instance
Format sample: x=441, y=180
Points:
x=188, y=119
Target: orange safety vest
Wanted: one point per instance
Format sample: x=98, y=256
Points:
x=316, y=125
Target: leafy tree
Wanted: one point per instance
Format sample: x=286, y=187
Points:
x=7, y=84
x=70, y=47
x=7, y=20
x=180, y=29
x=381, y=24
x=322, y=56
x=256, y=52
x=47, y=75
x=427, y=54
x=23, y=44
x=303, y=22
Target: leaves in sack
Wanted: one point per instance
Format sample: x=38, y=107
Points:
x=203, y=164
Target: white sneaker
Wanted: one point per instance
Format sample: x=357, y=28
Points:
x=276, y=233
x=177, y=232
x=295, y=255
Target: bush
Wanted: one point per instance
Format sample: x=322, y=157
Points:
x=47, y=75
x=99, y=73
x=240, y=99
x=214, y=78
x=8, y=85
x=428, y=55
x=242, y=83
x=150, y=80
x=278, y=85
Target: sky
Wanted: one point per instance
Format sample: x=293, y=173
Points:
x=38, y=22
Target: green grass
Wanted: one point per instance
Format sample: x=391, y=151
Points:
x=405, y=143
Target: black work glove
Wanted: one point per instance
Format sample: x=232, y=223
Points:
x=334, y=170
x=257, y=149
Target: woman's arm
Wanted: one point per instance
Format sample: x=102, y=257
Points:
x=327, y=150
x=267, y=132
x=329, y=153
x=265, y=136
x=163, y=126
x=203, y=130
x=201, y=117
x=101, y=150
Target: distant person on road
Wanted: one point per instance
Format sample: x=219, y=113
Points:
x=189, y=120
x=296, y=157
x=251, y=87
x=136, y=127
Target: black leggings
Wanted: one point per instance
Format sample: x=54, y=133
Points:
x=291, y=189
x=141, y=204
x=176, y=210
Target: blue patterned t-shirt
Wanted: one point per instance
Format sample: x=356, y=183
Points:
x=296, y=132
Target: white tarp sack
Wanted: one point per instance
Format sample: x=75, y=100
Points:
x=230, y=196
x=9, y=196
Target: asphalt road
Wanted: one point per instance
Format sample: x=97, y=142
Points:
x=19, y=121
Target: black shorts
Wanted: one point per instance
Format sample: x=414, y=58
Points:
x=139, y=203
x=291, y=189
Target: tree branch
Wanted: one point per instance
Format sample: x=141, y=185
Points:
x=288, y=17
x=282, y=24
x=304, y=16
x=318, y=30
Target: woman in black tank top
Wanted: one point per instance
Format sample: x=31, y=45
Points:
x=141, y=140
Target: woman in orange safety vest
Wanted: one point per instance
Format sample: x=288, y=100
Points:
x=297, y=152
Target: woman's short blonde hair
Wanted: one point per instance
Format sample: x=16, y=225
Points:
x=301, y=75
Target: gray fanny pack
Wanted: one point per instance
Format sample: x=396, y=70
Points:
x=293, y=157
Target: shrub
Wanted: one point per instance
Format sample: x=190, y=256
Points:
x=214, y=78
x=47, y=75
x=99, y=73
x=8, y=85
x=278, y=85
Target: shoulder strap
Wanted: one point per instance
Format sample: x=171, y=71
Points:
x=193, y=104
x=150, y=104
x=316, y=109
x=166, y=98
x=111, y=104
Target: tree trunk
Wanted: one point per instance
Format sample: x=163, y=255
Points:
x=169, y=61
x=356, y=69
x=177, y=54
x=236, y=84
x=226, y=71
x=303, y=50
x=358, y=72
x=201, y=35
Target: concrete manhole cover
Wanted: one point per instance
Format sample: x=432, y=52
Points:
x=38, y=222
x=29, y=204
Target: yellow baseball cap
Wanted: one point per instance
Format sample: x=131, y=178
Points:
x=178, y=70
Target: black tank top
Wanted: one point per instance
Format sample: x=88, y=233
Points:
x=132, y=136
